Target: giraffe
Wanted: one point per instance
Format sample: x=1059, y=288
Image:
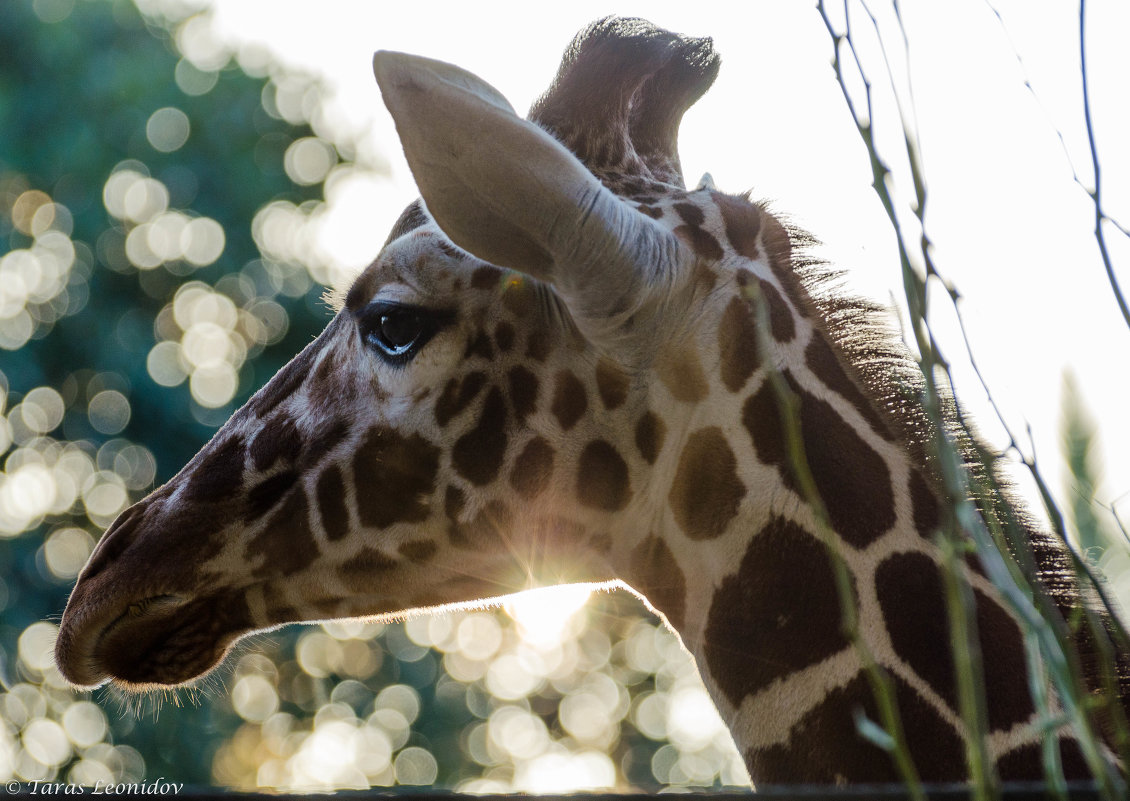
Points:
x=561, y=365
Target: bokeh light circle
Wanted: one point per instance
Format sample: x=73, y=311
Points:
x=167, y=129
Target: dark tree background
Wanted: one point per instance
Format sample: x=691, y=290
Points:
x=76, y=98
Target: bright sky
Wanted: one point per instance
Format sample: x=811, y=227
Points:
x=1011, y=229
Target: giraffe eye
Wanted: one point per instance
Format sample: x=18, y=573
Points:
x=397, y=332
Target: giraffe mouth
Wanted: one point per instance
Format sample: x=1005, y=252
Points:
x=157, y=641
x=168, y=640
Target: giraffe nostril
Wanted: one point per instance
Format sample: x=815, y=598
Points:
x=155, y=604
x=151, y=606
x=116, y=539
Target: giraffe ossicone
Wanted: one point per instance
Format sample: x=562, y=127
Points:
x=562, y=364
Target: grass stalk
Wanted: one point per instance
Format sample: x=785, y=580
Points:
x=961, y=606
x=892, y=737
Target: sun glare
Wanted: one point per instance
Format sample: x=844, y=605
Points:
x=543, y=614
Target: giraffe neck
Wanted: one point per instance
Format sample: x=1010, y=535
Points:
x=739, y=566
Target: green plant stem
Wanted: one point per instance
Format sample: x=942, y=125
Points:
x=881, y=686
x=961, y=606
x=1053, y=647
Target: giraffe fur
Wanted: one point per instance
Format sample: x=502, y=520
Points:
x=556, y=368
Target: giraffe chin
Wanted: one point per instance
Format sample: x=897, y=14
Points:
x=159, y=642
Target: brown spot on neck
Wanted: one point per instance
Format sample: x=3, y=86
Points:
x=285, y=544
x=759, y=291
x=650, y=433
x=852, y=479
x=742, y=221
x=701, y=241
x=394, y=476
x=780, y=318
x=477, y=455
x=569, y=399
x=331, y=503
x=782, y=601
x=690, y=213
x=829, y=367
x=913, y=599
x=457, y=395
x=602, y=478
x=825, y=745
x=523, y=386
x=278, y=440
x=681, y=372
x=706, y=492
x=533, y=468
x=611, y=383
x=359, y=572
x=779, y=251
x=453, y=502
x=737, y=345
x=1027, y=761
x=418, y=550
x=657, y=574
x=219, y=473
x=924, y=504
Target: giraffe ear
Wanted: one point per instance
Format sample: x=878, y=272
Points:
x=505, y=190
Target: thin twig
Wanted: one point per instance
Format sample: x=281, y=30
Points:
x=1096, y=195
x=1048, y=119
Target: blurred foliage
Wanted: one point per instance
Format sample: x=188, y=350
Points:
x=153, y=273
x=1083, y=461
x=1096, y=528
x=87, y=428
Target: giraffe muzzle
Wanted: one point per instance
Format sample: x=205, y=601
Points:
x=84, y=640
x=152, y=641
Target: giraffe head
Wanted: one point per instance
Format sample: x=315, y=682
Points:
x=479, y=416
